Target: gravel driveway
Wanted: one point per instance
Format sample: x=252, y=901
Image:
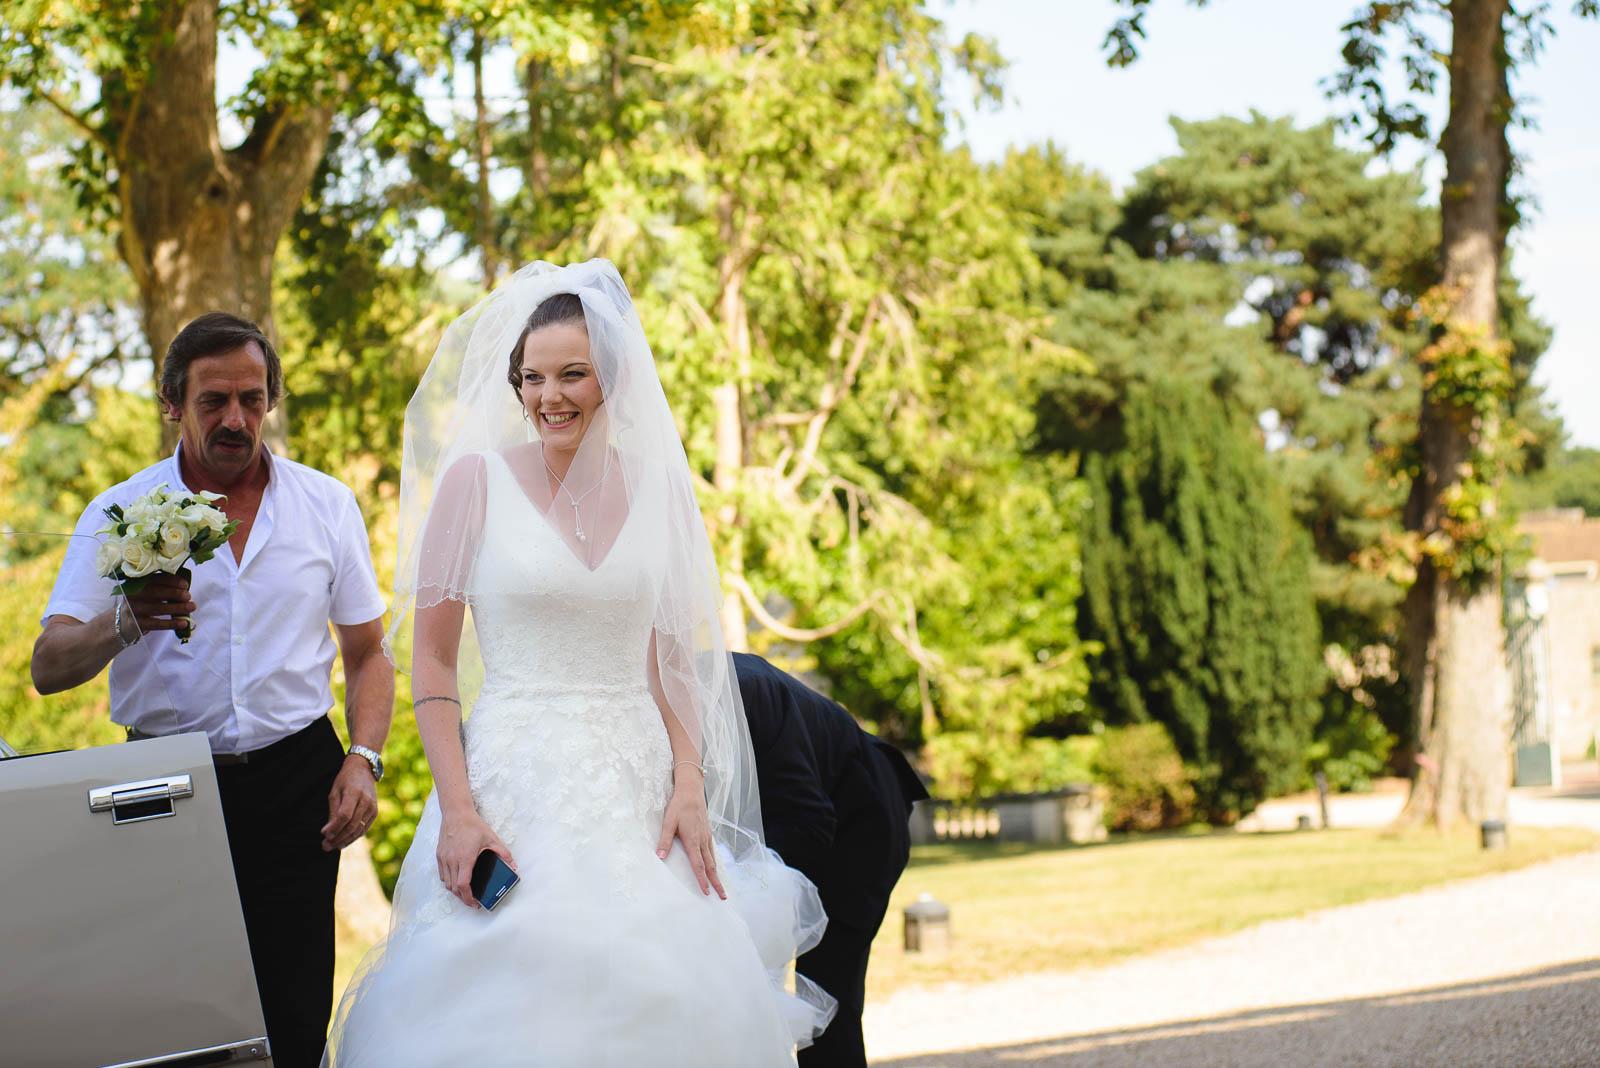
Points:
x=1498, y=970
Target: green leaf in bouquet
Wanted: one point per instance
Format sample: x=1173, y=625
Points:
x=130, y=586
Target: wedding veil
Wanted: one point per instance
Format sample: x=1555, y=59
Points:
x=629, y=468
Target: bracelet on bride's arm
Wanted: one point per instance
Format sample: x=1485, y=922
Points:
x=425, y=700
x=695, y=764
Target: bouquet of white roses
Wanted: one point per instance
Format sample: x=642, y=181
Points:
x=161, y=532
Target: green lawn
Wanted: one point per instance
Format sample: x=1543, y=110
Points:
x=1020, y=908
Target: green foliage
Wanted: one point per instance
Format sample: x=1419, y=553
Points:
x=1267, y=263
x=1351, y=747
x=778, y=192
x=75, y=719
x=66, y=331
x=403, y=792
x=67, y=296
x=1571, y=479
x=1148, y=788
x=76, y=450
x=1196, y=585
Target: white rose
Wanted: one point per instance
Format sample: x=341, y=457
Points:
x=171, y=564
x=141, y=511
x=109, y=556
x=174, y=538
x=198, y=517
x=138, y=558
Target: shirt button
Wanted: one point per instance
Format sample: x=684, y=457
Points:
x=239, y=640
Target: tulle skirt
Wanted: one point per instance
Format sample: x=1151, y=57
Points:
x=602, y=954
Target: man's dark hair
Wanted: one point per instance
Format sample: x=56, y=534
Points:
x=211, y=335
x=559, y=308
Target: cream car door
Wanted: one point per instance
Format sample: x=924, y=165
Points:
x=121, y=938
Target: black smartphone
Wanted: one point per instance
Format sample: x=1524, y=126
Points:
x=491, y=878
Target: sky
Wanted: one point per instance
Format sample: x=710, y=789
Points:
x=1273, y=55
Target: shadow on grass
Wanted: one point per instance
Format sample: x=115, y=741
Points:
x=1547, y=1017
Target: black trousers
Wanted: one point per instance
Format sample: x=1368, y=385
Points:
x=838, y=965
x=275, y=805
x=870, y=852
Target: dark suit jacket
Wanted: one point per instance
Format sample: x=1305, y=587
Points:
x=834, y=799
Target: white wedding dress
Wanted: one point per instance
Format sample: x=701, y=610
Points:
x=603, y=954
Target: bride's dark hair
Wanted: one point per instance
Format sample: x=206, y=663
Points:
x=552, y=311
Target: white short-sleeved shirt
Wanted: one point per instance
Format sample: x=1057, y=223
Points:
x=257, y=667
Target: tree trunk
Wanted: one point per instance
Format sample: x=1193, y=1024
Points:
x=727, y=402
x=484, y=148
x=200, y=223
x=1455, y=637
x=537, y=175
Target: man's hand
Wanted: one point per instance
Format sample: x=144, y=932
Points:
x=352, y=804
x=163, y=604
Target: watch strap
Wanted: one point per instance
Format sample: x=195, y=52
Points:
x=374, y=761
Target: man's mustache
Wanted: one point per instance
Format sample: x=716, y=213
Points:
x=229, y=437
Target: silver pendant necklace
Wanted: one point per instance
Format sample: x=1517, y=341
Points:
x=577, y=517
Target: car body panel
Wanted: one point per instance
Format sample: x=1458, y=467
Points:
x=121, y=942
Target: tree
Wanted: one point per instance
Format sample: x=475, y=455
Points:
x=197, y=221
x=1196, y=622
x=1571, y=480
x=1250, y=215
x=1458, y=532
x=836, y=305
x=1455, y=633
x=1196, y=589
x=835, y=301
x=67, y=334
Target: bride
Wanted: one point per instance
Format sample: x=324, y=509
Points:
x=606, y=758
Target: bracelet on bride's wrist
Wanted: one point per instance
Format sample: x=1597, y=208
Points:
x=116, y=627
x=695, y=764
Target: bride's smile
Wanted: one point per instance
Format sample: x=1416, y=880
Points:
x=559, y=389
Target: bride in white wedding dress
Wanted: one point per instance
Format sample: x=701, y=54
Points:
x=605, y=756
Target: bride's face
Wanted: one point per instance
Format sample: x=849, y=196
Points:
x=560, y=390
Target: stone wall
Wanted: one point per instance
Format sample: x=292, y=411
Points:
x=1574, y=636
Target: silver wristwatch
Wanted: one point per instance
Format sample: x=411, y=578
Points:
x=374, y=761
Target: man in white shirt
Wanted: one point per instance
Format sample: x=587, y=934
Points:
x=254, y=674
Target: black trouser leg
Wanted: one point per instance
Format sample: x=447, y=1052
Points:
x=838, y=965
x=275, y=807
x=869, y=853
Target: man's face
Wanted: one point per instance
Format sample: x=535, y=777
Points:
x=220, y=419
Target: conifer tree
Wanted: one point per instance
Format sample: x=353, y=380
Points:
x=1196, y=586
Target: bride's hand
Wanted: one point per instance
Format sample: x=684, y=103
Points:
x=462, y=837
x=686, y=819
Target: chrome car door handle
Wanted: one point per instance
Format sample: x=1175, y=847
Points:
x=147, y=799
